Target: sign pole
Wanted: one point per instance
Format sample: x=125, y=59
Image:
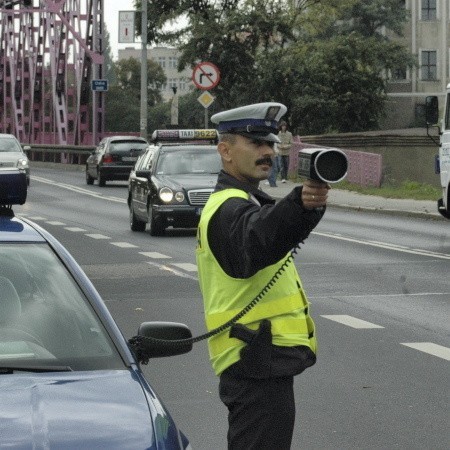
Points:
x=143, y=125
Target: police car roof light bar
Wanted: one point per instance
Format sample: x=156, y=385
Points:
x=13, y=190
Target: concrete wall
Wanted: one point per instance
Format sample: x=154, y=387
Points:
x=406, y=154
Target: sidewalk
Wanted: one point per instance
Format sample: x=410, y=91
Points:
x=353, y=200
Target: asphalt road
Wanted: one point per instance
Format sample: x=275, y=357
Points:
x=380, y=294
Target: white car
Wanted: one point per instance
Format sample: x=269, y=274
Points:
x=12, y=155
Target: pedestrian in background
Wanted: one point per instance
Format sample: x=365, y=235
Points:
x=284, y=148
x=272, y=180
x=244, y=244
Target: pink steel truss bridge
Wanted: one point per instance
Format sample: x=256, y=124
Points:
x=50, y=52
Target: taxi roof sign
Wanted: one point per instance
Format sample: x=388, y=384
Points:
x=185, y=135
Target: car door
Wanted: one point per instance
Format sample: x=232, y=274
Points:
x=141, y=185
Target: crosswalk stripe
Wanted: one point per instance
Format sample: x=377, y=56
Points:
x=428, y=347
x=97, y=236
x=155, y=255
x=55, y=222
x=123, y=244
x=188, y=267
x=171, y=270
x=351, y=321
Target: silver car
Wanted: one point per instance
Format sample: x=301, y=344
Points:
x=12, y=155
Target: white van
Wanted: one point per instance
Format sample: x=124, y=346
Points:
x=443, y=159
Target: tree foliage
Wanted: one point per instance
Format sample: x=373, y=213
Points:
x=326, y=60
x=123, y=97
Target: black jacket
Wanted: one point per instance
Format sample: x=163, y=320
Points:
x=246, y=236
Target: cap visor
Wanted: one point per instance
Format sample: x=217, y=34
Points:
x=262, y=137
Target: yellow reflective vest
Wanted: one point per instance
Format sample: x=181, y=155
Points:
x=285, y=303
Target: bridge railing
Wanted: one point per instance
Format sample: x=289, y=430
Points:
x=62, y=154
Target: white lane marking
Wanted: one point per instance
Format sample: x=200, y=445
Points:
x=74, y=229
x=428, y=347
x=54, y=222
x=79, y=190
x=97, y=236
x=330, y=235
x=155, y=255
x=188, y=267
x=352, y=321
x=123, y=244
x=37, y=218
x=341, y=296
x=172, y=270
x=385, y=245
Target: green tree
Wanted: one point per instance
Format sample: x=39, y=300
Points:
x=108, y=64
x=123, y=97
x=325, y=59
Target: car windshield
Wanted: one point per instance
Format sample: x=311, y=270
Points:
x=45, y=319
x=9, y=144
x=189, y=162
x=127, y=146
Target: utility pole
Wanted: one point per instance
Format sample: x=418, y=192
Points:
x=144, y=70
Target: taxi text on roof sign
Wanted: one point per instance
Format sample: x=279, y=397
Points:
x=183, y=135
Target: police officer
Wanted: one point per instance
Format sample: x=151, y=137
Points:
x=244, y=252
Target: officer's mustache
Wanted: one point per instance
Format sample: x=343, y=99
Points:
x=264, y=161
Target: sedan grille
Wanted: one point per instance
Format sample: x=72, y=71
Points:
x=199, y=197
x=7, y=164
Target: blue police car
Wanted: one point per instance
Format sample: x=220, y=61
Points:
x=68, y=377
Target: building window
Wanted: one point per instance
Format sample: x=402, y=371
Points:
x=162, y=61
x=428, y=65
x=173, y=62
x=172, y=83
x=429, y=11
x=182, y=84
x=399, y=74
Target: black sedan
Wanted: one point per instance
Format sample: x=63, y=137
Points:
x=114, y=158
x=171, y=183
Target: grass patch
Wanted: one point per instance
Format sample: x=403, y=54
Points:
x=407, y=189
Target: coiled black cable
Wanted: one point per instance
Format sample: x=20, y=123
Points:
x=137, y=343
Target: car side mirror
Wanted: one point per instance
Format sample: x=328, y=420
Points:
x=143, y=173
x=432, y=110
x=432, y=116
x=158, y=339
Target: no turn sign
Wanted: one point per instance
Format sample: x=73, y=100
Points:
x=206, y=75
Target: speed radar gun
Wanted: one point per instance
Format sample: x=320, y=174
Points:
x=323, y=164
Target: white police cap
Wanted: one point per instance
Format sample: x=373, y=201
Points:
x=258, y=121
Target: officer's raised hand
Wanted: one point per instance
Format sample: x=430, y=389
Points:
x=314, y=194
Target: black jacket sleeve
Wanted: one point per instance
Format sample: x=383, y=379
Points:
x=245, y=236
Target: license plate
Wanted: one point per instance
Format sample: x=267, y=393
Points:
x=199, y=211
x=129, y=158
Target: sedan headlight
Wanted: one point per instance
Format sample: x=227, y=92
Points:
x=166, y=194
x=179, y=197
x=22, y=163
